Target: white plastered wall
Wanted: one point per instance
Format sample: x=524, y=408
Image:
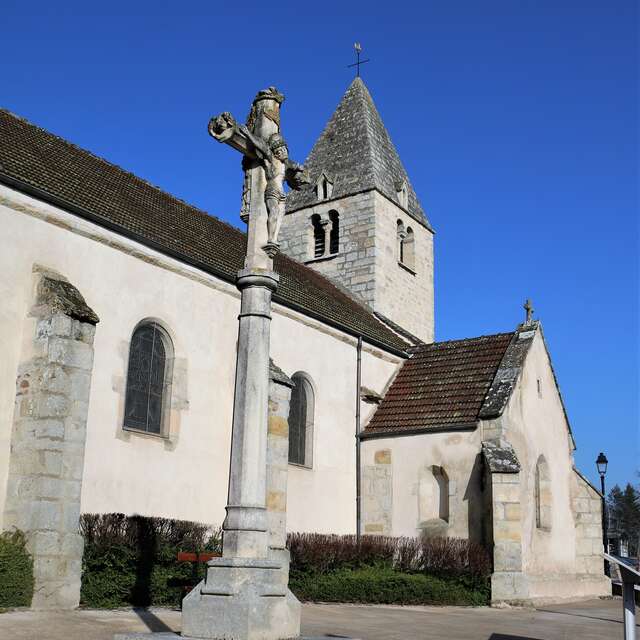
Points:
x=536, y=425
x=185, y=475
x=412, y=457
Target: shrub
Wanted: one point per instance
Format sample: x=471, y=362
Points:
x=384, y=585
x=437, y=556
x=131, y=560
x=16, y=571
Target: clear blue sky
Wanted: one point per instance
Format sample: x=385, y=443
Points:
x=516, y=120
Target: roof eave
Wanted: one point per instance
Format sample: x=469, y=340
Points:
x=57, y=201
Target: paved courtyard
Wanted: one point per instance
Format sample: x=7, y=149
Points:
x=595, y=620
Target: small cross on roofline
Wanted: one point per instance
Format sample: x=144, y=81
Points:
x=528, y=307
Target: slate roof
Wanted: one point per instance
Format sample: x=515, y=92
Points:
x=52, y=169
x=357, y=154
x=443, y=385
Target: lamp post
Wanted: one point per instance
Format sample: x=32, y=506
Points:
x=601, y=465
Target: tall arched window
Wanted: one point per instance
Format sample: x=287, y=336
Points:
x=148, y=378
x=334, y=234
x=401, y=234
x=318, y=236
x=543, y=495
x=301, y=411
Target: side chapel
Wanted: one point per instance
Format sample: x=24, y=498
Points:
x=118, y=334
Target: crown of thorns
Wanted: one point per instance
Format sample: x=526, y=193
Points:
x=276, y=141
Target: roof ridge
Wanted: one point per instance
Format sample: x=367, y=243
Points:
x=127, y=172
x=482, y=337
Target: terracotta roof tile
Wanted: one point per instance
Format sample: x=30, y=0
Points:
x=443, y=384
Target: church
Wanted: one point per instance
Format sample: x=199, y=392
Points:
x=118, y=338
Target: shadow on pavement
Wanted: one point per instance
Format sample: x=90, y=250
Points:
x=501, y=636
x=151, y=620
x=580, y=615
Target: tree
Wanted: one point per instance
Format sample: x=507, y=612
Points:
x=624, y=514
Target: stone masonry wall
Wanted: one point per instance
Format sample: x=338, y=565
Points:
x=48, y=439
x=367, y=259
x=353, y=266
x=278, y=461
x=377, y=489
x=401, y=295
x=587, y=509
x=508, y=583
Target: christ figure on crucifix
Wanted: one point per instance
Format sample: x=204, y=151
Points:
x=269, y=151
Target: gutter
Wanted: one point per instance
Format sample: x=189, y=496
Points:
x=358, y=440
x=377, y=435
x=56, y=201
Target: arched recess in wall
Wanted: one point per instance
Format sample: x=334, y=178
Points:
x=149, y=374
x=334, y=234
x=408, y=252
x=433, y=500
x=301, y=420
x=543, y=495
x=318, y=236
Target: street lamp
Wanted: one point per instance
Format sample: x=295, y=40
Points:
x=601, y=465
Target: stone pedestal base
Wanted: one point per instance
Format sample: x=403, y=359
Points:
x=242, y=599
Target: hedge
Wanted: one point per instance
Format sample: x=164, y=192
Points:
x=384, y=585
x=132, y=561
x=16, y=571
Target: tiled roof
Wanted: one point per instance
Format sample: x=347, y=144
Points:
x=36, y=161
x=443, y=385
x=357, y=154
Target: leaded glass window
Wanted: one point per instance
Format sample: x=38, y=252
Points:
x=147, y=378
x=301, y=421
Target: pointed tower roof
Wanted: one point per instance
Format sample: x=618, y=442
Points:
x=356, y=154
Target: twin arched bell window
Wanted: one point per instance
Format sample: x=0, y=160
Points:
x=149, y=372
x=323, y=227
x=301, y=411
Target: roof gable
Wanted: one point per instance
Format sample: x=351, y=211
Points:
x=356, y=150
x=54, y=170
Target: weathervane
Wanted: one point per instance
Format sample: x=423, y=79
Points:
x=358, y=48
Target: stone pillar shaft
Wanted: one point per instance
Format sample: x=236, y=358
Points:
x=245, y=527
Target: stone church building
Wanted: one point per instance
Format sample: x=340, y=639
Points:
x=118, y=334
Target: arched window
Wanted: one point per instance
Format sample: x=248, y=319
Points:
x=403, y=194
x=400, y=236
x=408, y=250
x=433, y=494
x=301, y=411
x=148, y=378
x=318, y=236
x=334, y=234
x=543, y=495
x=324, y=187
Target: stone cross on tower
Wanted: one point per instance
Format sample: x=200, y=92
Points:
x=245, y=595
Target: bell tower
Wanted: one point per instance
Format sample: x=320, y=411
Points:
x=360, y=223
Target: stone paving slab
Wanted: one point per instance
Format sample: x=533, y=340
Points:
x=594, y=620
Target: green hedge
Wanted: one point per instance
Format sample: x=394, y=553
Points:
x=16, y=571
x=384, y=585
x=132, y=561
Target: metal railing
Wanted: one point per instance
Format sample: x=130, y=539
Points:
x=630, y=582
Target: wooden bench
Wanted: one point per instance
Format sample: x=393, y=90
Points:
x=195, y=559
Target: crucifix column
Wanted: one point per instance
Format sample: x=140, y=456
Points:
x=245, y=595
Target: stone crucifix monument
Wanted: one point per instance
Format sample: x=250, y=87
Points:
x=245, y=594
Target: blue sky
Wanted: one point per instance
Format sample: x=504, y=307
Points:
x=516, y=120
